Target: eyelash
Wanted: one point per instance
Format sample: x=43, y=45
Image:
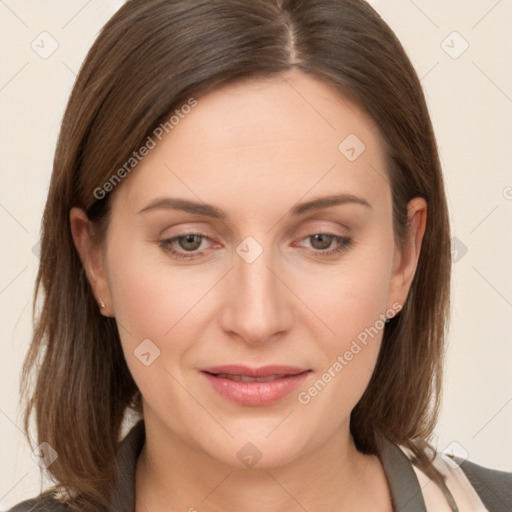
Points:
x=344, y=244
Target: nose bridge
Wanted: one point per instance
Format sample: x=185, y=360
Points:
x=256, y=305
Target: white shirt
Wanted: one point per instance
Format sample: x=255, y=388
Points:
x=463, y=493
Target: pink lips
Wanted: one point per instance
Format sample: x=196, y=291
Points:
x=255, y=386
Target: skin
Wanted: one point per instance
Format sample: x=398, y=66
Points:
x=254, y=149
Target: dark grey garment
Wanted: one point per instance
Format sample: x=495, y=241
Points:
x=493, y=487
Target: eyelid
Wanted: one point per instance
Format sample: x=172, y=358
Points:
x=300, y=232
x=186, y=228
x=327, y=227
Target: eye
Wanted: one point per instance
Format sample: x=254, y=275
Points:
x=186, y=245
x=322, y=241
x=188, y=242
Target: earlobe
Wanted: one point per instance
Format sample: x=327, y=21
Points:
x=90, y=255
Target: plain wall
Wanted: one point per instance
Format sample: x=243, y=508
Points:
x=470, y=100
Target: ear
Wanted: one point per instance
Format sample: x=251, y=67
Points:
x=92, y=257
x=406, y=260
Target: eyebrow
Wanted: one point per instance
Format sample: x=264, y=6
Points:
x=217, y=213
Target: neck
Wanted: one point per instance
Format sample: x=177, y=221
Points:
x=172, y=475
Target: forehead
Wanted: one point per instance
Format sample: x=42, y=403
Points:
x=262, y=143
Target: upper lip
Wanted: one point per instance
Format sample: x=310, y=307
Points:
x=263, y=371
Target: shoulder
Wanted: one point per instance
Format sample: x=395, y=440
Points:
x=467, y=484
x=45, y=502
x=493, y=486
x=123, y=494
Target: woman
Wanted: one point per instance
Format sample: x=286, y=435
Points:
x=246, y=243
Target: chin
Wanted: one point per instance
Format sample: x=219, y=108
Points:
x=259, y=450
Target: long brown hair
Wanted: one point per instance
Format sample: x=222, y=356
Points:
x=149, y=59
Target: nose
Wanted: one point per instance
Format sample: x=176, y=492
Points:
x=257, y=305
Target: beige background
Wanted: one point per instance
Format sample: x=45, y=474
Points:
x=470, y=99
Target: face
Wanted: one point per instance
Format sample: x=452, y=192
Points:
x=251, y=275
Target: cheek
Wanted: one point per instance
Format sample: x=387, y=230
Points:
x=155, y=303
x=351, y=297
x=151, y=295
x=154, y=300
x=142, y=308
x=352, y=305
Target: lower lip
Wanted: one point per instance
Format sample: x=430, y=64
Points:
x=256, y=393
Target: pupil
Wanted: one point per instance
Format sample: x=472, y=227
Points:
x=190, y=239
x=326, y=239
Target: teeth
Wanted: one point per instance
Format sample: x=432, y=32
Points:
x=245, y=378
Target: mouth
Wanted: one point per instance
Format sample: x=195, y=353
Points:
x=246, y=378
x=255, y=386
